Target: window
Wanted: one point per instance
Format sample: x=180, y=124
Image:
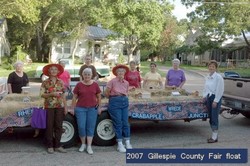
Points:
x=63, y=48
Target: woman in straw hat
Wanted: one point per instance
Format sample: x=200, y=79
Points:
x=117, y=92
x=52, y=90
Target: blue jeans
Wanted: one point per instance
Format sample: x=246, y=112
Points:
x=213, y=112
x=86, y=121
x=118, y=110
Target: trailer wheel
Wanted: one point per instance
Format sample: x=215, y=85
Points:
x=227, y=113
x=246, y=114
x=70, y=135
x=104, y=132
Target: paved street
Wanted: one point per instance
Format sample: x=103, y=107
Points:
x=21, y=149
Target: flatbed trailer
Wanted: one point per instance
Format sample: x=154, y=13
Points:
x=156, y=108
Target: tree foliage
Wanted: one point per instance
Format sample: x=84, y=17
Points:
x=223, y=18
x=34, y=23
x=138, y=22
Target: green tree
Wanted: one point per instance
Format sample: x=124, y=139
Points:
x=138, y=22
x=220, y=19
x=36, y=23
x=172, y=37
x=43, y=22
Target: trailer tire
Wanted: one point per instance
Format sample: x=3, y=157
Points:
x=104, y=132
x=227, y=113
x=70, y=134
x=246, y=114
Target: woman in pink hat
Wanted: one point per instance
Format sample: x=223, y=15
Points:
x=117, y=92
x=52, y=90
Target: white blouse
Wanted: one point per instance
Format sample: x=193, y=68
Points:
x=214, y=85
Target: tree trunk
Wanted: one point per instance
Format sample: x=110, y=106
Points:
x=245, y=38
x=74, y=50
x=38, y=45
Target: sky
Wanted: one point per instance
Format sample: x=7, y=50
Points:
x=180, y=10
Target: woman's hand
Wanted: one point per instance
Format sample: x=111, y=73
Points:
x=204, y=100
x=57, y=94
x=99, y=110
x=65, y=110
x=214, y=105
x=131, y=88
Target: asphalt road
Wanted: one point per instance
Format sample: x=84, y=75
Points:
x=21, y=149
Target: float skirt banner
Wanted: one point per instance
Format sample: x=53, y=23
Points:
x=186, y=155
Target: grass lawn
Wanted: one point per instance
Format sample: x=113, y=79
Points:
x=31, y=68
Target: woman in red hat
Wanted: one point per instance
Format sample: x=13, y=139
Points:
x=117, y=92
x=52, y=90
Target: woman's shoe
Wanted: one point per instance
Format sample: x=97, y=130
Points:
x=211, y=140
x=89, y=150
x=36, y=133
x=82, y=148
x=50, y=150
x=121, y=148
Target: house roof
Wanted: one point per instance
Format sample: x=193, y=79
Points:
x=236, y=41
x=99, y=33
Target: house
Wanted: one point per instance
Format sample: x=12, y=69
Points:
x=234, y=52
x=4, y=44
x=95, y=41
x=191, y=58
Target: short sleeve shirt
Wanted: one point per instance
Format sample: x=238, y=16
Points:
x=65, y=77
x=175, y=77
x=118, y=87
x=153, y=80
x=133, y=78
x=87, y=94
x=17, y=82
x=48, y=86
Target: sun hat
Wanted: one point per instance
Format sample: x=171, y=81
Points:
x=118, y=67
x=47, y=67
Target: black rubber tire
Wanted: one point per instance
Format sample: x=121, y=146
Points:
x=70, y=133
x=227, y=114
x=246, y=114
x=104, y=131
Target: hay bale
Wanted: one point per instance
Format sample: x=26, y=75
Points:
x=12, y=103
x=9, y=108
x=20, y=97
